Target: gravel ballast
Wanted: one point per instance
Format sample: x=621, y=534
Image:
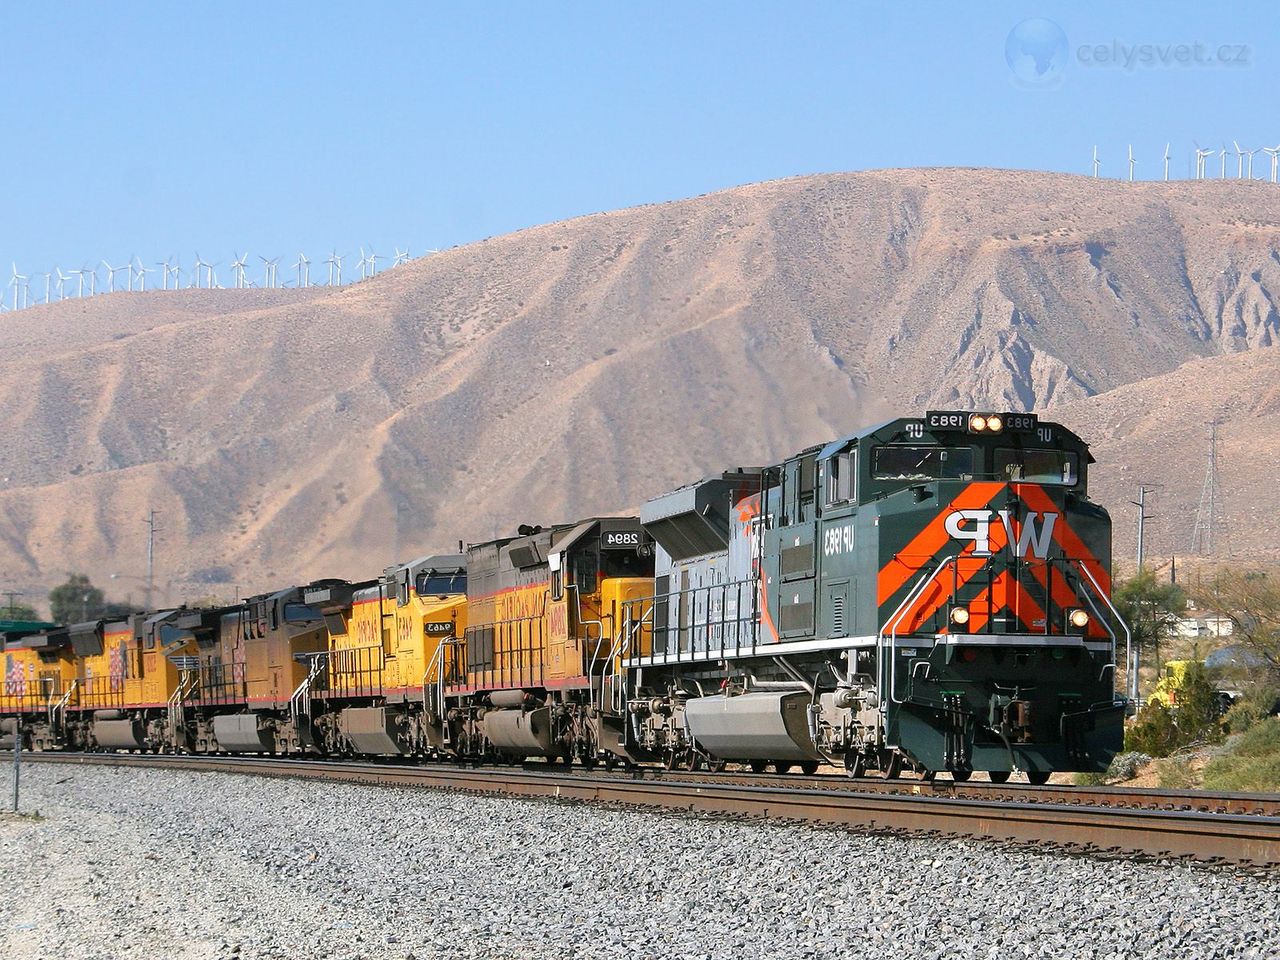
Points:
x=167, y=863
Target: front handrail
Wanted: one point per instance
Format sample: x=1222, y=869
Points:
x=1128, y=637
x=890, y=672
x=626, y=635
x=318, y=662
x=60, y=708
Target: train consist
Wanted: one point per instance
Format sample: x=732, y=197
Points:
x=932, y=594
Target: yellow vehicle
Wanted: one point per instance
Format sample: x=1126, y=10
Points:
x=545, y=608
x=123, y=682
x=1172, y=680
x=38, y=674
x=392, y=642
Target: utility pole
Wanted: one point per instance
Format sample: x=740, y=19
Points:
x=151, y=556
x=11, y=594
x=1143, y=517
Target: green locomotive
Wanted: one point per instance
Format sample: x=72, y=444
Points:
x=933, y=593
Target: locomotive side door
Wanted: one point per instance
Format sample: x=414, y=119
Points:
x=790, y=563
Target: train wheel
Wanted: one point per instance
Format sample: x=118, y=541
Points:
x=1037, y=778
x=759, y=766
x=715, y=764
x=998, y=776
x=610, y=762
x=855, y=764
x=670, y=760
x=893, y=769
x=780, y=767
x=960, y=776
x=809, y=767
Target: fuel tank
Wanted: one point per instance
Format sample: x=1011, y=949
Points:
x=524, y=733
x=765, y=725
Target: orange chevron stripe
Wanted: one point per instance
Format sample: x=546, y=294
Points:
x=908, y=562
x=1034, y=496
x=939, y=592
x=1005, y=593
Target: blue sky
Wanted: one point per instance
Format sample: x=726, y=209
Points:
x=148, y=130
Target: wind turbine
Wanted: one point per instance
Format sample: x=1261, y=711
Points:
x=17, y=285
x=1131, y=162
x=303, y=266
x=164, y=273
x=48, y=278
x=1201, y=156
x=195, y=276
x=141, y=273
x=401, y=257
x=1166, y=162
x=62, y=281
x=1239, y=160
x=1095, y=162
x=111, y=275
x=363, y=262
x=269, y=270
x=1274, y=153
x=335, y=261
x=1222, y=163
x=237, y=267
x=373, y=263
x=93, y=280
x=1249, y=165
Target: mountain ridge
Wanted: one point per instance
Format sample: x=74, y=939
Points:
x=585, y=365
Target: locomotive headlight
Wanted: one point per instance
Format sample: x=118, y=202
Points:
x=995, y=424
x=1078, y=618
x=977, y=423
x=959, y=616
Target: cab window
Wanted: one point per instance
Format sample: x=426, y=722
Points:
x=301, y=613
x=841, y=470
x=922, y=463
x=1037, y=466
x=585, y=565
x=439, y=584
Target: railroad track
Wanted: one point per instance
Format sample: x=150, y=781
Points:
x=1217, y=828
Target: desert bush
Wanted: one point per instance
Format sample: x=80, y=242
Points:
x=1125, y=766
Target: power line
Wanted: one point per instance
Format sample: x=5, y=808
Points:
x=1211, y=534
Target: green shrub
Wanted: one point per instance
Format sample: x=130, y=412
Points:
x=1153, y=731
x=1175, y=774
x=1251, y=762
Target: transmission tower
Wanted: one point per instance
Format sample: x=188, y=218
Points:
x=1210, y=535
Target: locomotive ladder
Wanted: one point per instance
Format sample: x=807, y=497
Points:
x=188, y=677
x=58, y=710
x=300, y=701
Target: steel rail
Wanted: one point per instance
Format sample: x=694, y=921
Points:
x=1245, y=839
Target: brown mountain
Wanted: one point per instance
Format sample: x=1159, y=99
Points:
x=583, y=366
